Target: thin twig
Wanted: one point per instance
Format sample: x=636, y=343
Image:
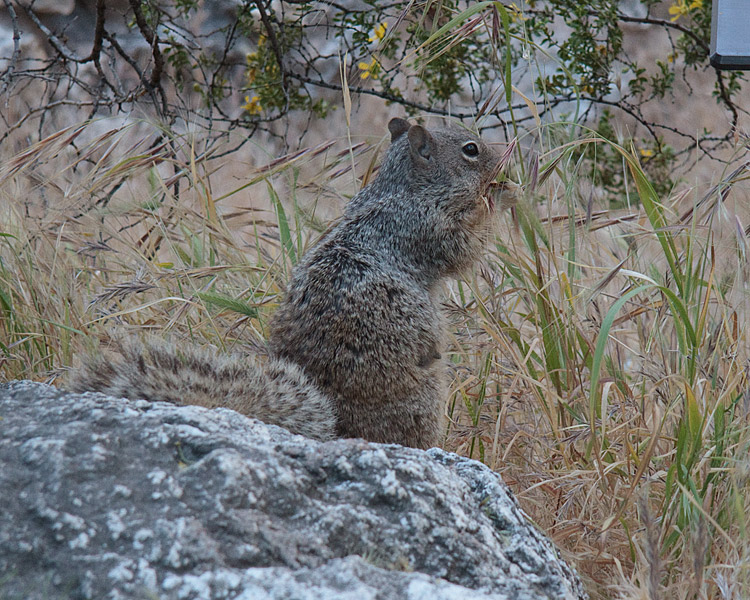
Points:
x=276, y=47
x=53, y=40
x=153, y=40
x=96, y=48
x=8, y=75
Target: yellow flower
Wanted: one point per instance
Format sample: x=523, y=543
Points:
x=252, y=73
x=252, y=105
x=251, y=59
x=682, y=8
x=646, y=153
x=369, y=69
x=379, y=32
x=516, y=14
x=678, y=10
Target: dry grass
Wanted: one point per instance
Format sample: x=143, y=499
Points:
x=600, y=356
x=608, y=382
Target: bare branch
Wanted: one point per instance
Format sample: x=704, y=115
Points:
x=53, y=40
x=154, y=83
x=8, y=75
x=96, y=49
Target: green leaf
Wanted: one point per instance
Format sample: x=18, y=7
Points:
x=694, y=417
x=284, y=232
x=460, y=18
x=601, y=345
x=229, y=303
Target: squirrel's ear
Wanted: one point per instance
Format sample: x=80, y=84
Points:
x=420, y=142
x=398, y=127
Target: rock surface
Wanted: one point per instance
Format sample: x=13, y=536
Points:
x=107, y=498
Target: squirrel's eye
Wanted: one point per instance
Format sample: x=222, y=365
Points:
x=470, y=149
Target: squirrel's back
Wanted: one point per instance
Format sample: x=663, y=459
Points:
x=356, y=345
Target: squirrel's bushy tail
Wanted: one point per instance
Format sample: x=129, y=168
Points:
x=278, y=393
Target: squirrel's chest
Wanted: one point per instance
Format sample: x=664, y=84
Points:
x=349, y=333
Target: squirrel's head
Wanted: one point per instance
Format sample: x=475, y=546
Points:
x=454, y=164
x=431, y=200
x=439, y=182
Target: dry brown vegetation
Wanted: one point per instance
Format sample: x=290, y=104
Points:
x=600, y=355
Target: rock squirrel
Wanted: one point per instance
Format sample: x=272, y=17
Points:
x=356, y=344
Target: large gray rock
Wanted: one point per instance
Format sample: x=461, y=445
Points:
x=107, y=498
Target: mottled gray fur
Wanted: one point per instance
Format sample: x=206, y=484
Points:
x=362, y=312
x=276, y=392
x=361, y=316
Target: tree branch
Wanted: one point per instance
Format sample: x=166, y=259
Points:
x=153, y=40
x=8, y=75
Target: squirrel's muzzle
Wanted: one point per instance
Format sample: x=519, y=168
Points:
x=501, y=193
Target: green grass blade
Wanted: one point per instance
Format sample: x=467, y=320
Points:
x=601, y=345
x=285, y=234
x=229, y=303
